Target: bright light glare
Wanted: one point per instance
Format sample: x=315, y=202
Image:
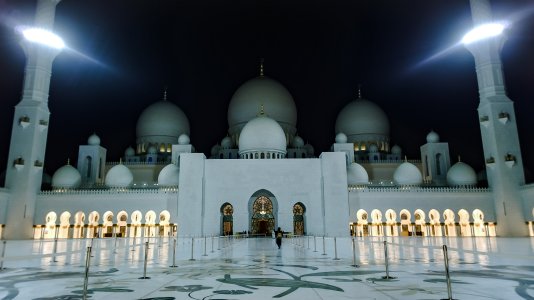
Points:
x=482, y=32
x=45, y=37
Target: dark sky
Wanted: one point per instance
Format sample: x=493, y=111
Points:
x=320, y=50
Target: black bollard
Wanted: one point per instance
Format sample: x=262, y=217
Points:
x=146, y=260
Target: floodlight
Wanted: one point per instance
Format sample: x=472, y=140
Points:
x=482, y=32
x=44, y=37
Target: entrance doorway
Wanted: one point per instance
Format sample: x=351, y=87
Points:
x=262, y=216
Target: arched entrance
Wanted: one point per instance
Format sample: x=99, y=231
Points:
x=262, y=216
x=298, y=218
x=227, y=212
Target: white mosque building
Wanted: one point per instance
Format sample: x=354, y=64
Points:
x=262, y=175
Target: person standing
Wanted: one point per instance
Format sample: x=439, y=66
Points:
x=279, y=234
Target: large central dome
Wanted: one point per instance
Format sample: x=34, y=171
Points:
x=264, y=91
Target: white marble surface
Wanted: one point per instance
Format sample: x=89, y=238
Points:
x=482, y=268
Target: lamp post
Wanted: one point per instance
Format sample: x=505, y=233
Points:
x=502, y=154
x=30, y=122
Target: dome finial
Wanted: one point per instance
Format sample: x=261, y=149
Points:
x=405, y=158
x=120, y=161
x=360, y=91
x=68, y=161
x=261, y=66
x=262, y=111
x=459, y=160
x=165, y=94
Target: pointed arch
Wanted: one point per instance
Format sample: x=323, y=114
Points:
x=64, y=225
x=299, y=211
x=227, y=219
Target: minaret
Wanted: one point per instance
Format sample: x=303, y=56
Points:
x=30, y=130
x=498, y=128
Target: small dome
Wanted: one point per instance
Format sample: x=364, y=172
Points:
x=357, y=175
x=264, y=91
x=461, y=174
x=93, y=140
x=396, y=150
x=119, y=177
x=169, y=176
x=183, y=139
x=152, y=150
x=215, y=150
x=66, y=177
x=341, y=138
x=129, y=151
x=407, y=174
x=297, y=142
x=161, y=122
x=309, y=149
x=373, y=148
x=262, y=134
x=432, y=137
x=227, y=143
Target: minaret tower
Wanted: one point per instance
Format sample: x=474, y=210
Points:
x=30, y=125
x=498, y=127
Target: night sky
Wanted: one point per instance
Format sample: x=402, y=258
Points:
x=129, y=50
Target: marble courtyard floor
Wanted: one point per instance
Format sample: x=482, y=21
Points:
x=253, y=268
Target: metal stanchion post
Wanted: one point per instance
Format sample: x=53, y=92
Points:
x=174, y=255
x=308, y=242
x=354, y=253
x=146, y=259
x=447, y=275
x=314, y=243
x=192, y=247
x=212, y=237
x=219, y=242
x=54, y=251
x=324, y=248
x=86, y=278
x=205, y=242
x=335, y=249
x=3, y=255
x=386, y=259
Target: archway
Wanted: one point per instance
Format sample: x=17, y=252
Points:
x=150, y=223
x=64, y=225
x=137, y=216
x=405, y=222
x=79, y=219
x=363, y=225
x=262, y=222
x=420, y=222
x=94, y=217
x=465, y=228
x=478, y=223
x=122, y=223
x=164, y=223
x=108, y=224
x=50, y=229
x=298, y=218
x=227, y=222
x=435, y=225
x=391, y=221
x=376, y=219
x=448, y=219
